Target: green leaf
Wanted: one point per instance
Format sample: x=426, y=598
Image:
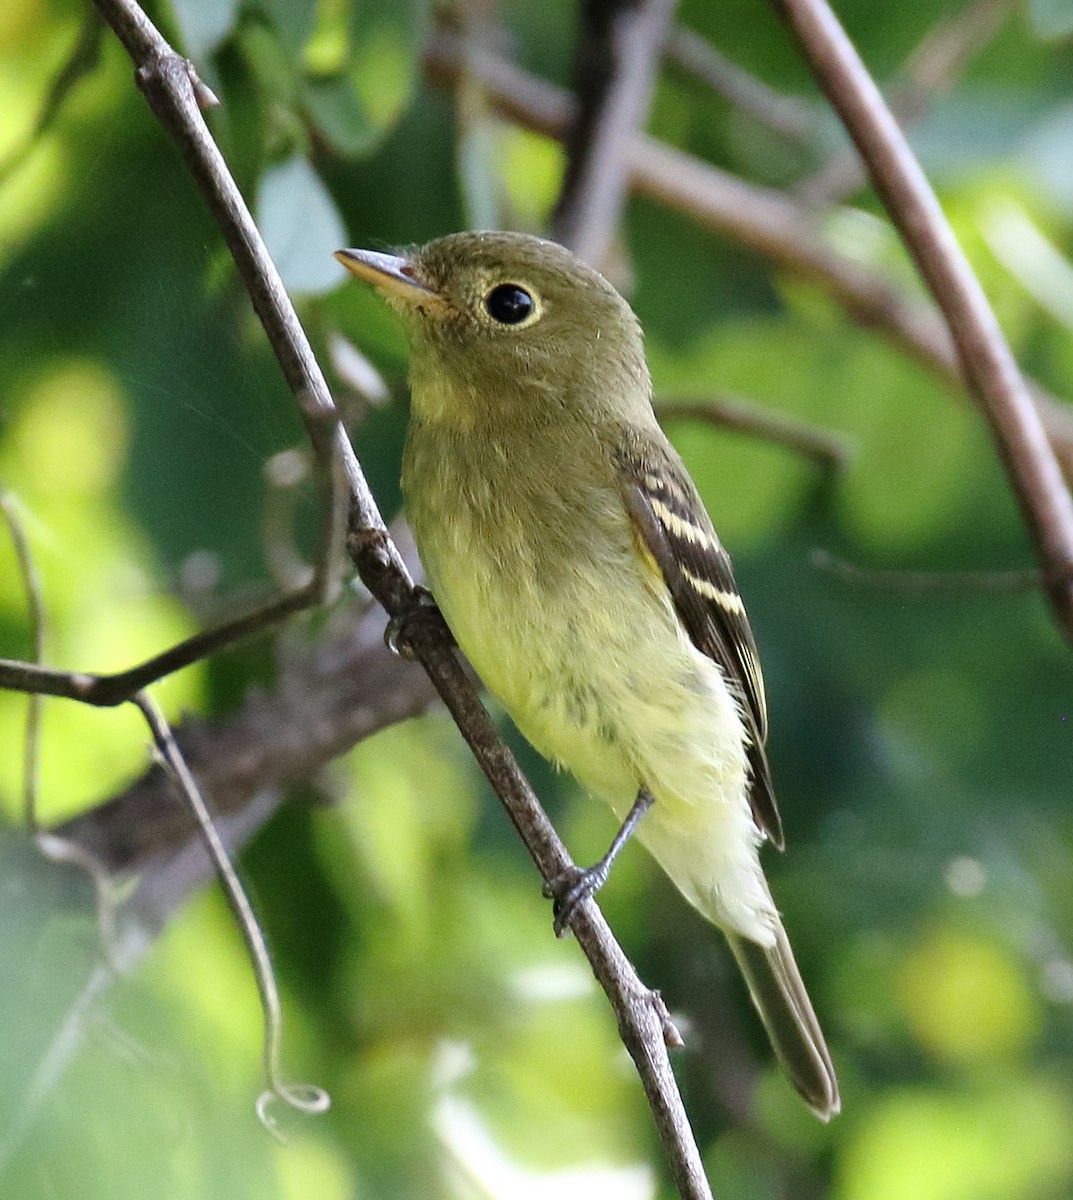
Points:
x=301, y=226
x=293, y=20
x=363, y=75
x=387, y=41
x=335, y=107
x=270, y=63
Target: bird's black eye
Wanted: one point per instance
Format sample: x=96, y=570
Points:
x=509, y=304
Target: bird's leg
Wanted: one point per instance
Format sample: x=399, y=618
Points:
x=570, y=888
x=424, y=608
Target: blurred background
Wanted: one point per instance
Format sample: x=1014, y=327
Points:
x=921, y=731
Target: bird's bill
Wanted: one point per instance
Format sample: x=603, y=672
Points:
x=389, y=274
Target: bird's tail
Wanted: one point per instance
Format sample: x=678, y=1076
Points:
x=780, y=997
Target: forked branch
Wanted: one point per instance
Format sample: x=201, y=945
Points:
x=987, y=363
x=172, y=90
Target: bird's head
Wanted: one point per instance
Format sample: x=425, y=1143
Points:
x=499, y=319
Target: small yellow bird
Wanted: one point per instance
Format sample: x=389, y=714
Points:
x=572, y=558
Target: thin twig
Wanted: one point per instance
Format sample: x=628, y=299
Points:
x=303, y=1097
x=986, y=361
x=106, y=691
x=615, y=65
x=930, y=583
x=336, y=685
x=31, y=582
x=764, y=220
x=169, y=87
x=788, y=116
x=931, y=70
x=53, y=846
x=823, y=446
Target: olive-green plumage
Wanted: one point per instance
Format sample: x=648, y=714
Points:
x=573, y=560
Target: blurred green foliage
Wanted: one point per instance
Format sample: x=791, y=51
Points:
x=922, y=744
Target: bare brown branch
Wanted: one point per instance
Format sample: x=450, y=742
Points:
x=986, y=361
x=787, y=115
x=615, y=63
x=765, y=220
x=823, y=446
x=929, y=72
x=334, y=688
x=169, y=85
x=930, y=583
x=106, y=691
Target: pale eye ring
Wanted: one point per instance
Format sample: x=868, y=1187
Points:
x=509, y=304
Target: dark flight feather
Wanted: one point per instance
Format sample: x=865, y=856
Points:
x=672, y=524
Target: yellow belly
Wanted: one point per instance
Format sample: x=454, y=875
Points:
x=577, y=636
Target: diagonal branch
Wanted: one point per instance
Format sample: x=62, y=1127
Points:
x=169, y=86
x=615, y=64
x=106, y=691
x=334, y=688
x=824, y=446
x=986, y=361
x=765, y=220
x=786, y=115
x=930, y=70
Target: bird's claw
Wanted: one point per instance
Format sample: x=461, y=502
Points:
x=573, y=887
x=396, y=635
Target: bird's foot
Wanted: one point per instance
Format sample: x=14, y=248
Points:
x=571, y=888
x=424, y=609
x=577, y=884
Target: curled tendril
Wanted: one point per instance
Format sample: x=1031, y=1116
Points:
x=302, y=1097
